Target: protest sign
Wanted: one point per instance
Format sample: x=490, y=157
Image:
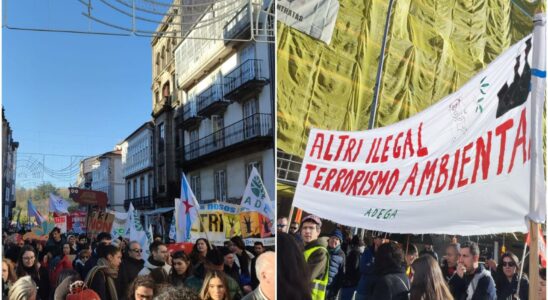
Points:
x=460, y=167
x=61, y=222
x=100, y=221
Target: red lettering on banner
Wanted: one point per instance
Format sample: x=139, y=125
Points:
x=397, y=148
x=343, y=139
x=392, y=181
x=348, y=153
x=360, y=174
x=429, y=172
x=385, y=149
x=408, y=145
x=465, y=160
x=341, y=175
x=309, y=168
x=326, y=155
x=347, y=180
x=501, y=130
x=319, y=177
x=360, y=144
x=318, y=144
x=422, y=151
x=363, y=191
x=455, y=168
x=369, y=190
x=483, y=154
x=443, y=173
x=330, y=177
x=411, y=180
x=368, y=160
x=376, y=157
x=520, y=140
x=380, y=182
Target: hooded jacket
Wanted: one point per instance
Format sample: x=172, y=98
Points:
x=151, y=264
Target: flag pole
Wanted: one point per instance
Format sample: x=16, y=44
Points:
x=537, y=211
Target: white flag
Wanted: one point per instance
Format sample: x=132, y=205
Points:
x=255, y=197
x=57, y=204
x=137, y=232
x=186, y=211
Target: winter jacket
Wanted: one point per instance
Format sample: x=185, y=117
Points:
x=151, y=264
x=129, y=268
x=367, y=272
x=485, y=289
x=317, y=262
x=336, y=271
x=393, y=285
x=505, y=288
x=351, y=274
x=64, y=264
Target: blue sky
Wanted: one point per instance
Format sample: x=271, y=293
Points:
x=70, y=94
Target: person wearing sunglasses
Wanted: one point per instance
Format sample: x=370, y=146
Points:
x=130, y=267
x=506, y=278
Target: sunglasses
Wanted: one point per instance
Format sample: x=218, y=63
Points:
x=137, y=250
x=508, y=264
x=281, y=225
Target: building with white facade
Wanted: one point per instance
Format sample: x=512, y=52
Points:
x=9, y=159
x=85, y=176
x=138, y=167
x=226, y=120
x=108, y=178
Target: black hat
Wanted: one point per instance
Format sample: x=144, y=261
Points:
x=215, y=257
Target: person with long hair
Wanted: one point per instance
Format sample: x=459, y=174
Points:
x=292, y=280
x=102, y=277
x=64, y=264
x=392, y=283
x=27, y=264
x=143, y=287
x=215, y=287
x=243, y=260
x=23, y=289
x=199, y=252
x=181, y=268
x=506, y=278
x=8, y=276
x=428, y=282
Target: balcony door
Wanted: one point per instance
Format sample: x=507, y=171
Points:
x=247, y=64
x=217, y=125
x=251, y=118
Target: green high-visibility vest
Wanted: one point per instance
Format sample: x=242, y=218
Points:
x=319, y=286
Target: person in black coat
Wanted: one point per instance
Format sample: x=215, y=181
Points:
x=102, y=278
x=336, y=264
x=351, y=275
x=392, y=282
x=103, y=239
x=27, y=264
x=506, y=279
x=130, y=267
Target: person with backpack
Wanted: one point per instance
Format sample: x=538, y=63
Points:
x=102, y=278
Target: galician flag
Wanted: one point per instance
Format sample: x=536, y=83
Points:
x=186, y=211
x=256, y=198
x=57, y=204
x=33, y=212
x=136, y=231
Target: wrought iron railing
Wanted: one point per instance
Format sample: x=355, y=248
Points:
x=247, y=71
x=257, y=125
x=145, y=201
x=189, y=110
x=212, y=94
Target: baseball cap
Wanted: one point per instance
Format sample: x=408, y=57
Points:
x=312, y=218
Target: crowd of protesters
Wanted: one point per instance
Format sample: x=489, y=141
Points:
x=73, y=267
x=342, y=266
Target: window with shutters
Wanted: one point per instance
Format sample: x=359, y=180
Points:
x=220, y=185
x=196, y=187
x=249, y=167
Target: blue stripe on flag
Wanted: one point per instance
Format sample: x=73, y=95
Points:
x=538, y=73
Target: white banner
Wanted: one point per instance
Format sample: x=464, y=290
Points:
x=61, y=222
x=316, y=18
x=119, y=225
x=256, y=198
x=460, y=167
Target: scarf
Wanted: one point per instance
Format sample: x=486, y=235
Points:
x=156, y=263
x=110, y=275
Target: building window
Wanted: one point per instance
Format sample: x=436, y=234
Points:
x=128, y=196
x=249, y=167
x=157, y=64
x=161, y=137
x=165, y=90
x=196, y=187
x=150, y=185
x=142, y=186
x=135, y=188
x=251, y=118
x=217, y=126
x=220, y=185
x=161, y=179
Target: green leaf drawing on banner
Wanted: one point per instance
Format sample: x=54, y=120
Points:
x=257, y=187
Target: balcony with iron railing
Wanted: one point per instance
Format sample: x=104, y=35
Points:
x=239, y=27
x=252, y=133
x=190, y=117
x=245, y=81
x=211, y=101
x=139, y=202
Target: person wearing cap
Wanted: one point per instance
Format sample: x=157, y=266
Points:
x=316, y=256
x=337, y=260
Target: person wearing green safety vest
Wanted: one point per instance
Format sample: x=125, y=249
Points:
x=315, y=255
